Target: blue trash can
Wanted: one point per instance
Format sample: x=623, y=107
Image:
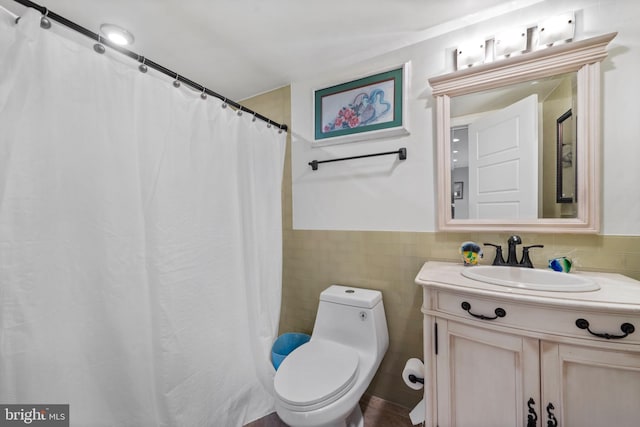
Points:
x=285, y=344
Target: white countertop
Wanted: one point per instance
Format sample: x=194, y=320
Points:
x=617, y=292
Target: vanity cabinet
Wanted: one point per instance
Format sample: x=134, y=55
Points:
x=483, y=377
x=593, y=387
x=497, y=356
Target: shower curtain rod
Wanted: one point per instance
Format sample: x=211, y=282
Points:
x=72, y=25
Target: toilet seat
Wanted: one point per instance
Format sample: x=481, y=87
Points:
x=315, y=375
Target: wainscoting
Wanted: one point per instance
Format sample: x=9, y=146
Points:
x=377, y=413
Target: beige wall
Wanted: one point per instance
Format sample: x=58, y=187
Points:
x=556, y=104
x=389, y=261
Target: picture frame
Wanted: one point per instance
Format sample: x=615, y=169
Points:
x=458, y=190
x=566, y=171
x=365, y=108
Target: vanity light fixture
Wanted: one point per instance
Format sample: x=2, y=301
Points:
x=470, y=53
x=515, y=41
x=557, y=29
x=117, y=35
x=510, y=42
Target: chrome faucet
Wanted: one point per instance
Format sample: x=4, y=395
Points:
x=512, y=257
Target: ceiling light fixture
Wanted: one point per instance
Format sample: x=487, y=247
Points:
x=117, y=35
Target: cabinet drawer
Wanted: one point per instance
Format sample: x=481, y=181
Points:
x=540, y=319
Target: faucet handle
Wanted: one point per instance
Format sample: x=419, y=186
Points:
x=498, y=260
x=526, y=261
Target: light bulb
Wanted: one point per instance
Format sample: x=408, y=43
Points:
x=116, y=34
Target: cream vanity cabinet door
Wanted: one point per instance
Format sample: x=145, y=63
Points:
x=485, y=378
x=589, y=386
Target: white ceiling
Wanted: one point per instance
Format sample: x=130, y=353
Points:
x=240, y=48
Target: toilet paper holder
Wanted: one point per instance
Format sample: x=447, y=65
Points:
x=415, y=379
x=413, y=376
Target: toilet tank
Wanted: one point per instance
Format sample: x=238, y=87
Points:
x=353, y=317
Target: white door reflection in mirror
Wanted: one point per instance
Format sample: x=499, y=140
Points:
x=503, y=162
x=506, y=122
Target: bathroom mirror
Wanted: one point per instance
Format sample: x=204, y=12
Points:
x=512, y=169
x=498, y=126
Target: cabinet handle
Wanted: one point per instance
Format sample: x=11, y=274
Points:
x=532, y=417
x=627, y=328
x=499, y=312
x=552, y=421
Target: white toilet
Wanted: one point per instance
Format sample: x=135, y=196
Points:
x=321, y=382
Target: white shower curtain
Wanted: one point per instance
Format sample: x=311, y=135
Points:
x=140, y=240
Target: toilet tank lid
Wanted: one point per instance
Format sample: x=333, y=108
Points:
x=348, y=295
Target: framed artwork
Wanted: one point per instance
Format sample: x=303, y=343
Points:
x=458, y=189
x=566, y=171
x=366, y=108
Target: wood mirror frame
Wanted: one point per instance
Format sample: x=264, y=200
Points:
x=583, y=57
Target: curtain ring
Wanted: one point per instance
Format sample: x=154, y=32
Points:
x=254, y=117
x=203, y=95
x=239, y=111
x=143, y=67
x=224, y=103
x=98, y=47
x=44, y=21
x=176, y=82
x=269, y=124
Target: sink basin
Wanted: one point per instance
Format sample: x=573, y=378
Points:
x=530, y=278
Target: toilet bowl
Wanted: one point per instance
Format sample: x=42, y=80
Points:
x=321, y=382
